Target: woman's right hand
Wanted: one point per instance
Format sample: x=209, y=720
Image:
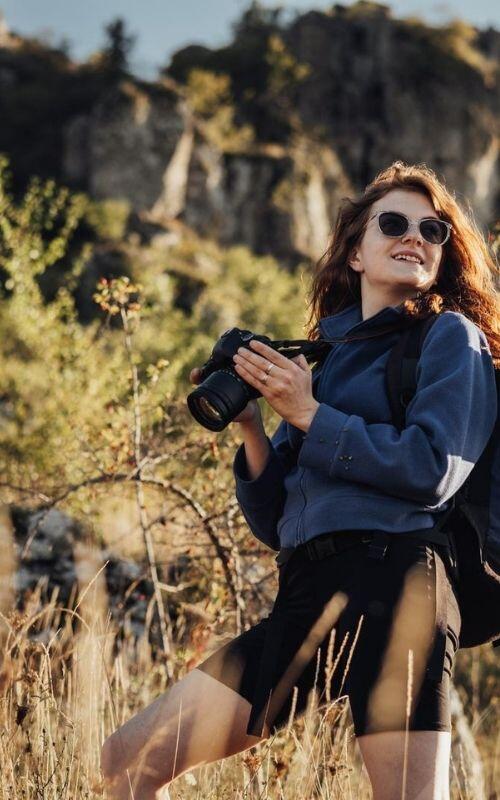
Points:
x=251, y=411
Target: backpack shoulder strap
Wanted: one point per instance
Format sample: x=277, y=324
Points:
x=401, y=369
x=479, y=486
x=401, y=384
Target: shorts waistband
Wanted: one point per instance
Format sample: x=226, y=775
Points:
x=332, y=542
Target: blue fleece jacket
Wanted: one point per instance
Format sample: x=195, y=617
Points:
x=353, y=469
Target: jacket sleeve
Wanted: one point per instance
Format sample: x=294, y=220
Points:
x=448, y=423
x=262, y=500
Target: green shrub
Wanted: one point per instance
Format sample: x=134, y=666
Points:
x=209, y=95
x=108, y=218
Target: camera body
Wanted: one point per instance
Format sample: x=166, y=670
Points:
x=222, y=394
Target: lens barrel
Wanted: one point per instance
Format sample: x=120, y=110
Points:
x=219, y=399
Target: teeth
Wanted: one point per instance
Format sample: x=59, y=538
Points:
x=408, y=258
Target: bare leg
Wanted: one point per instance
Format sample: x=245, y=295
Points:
x=197, y=721
x=427, y=764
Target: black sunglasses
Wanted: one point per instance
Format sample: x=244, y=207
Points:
x=433, y=230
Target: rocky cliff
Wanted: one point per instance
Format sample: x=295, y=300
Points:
x=329, y=99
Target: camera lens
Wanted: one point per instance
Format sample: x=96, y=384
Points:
x=219, y=399
x=208, y=409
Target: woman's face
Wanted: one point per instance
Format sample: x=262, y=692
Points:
x=382, y=275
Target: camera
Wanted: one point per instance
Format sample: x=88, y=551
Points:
x=222, y=394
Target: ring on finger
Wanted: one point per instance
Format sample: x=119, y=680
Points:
x=269, y=367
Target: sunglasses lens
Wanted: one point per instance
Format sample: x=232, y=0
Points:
x=392, y=224
x=434, y=231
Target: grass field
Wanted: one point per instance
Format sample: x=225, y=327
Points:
x=70, y=676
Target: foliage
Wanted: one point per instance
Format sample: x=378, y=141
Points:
x=66, y=686
x=209, y=95
x=249, y=61
x=451, y=48
x=459, y=39
x=45, y=93
x=285, y=70
x=60, y=700
x=91, y=411
x=34, y=233
x=48, y=359
x=117, y=51
x=206, y=91
x=257, y=20
x=108, y=218
x=366, y=8
x=254, y=79
x=66, y=413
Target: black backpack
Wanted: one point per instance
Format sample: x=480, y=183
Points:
x=466, y=527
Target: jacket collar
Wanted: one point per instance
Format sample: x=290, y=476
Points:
x=350, y=319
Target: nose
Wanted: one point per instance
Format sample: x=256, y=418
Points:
x=413, y=233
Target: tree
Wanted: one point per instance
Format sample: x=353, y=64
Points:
x=119, y=46
x=256, y=20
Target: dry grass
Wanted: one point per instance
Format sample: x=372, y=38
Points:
x=62, y=692
x=65, y=684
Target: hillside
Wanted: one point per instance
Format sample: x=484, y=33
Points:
x=255, y=143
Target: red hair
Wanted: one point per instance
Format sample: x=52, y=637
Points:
x=468, y=278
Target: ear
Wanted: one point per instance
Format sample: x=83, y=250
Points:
x=353, y=259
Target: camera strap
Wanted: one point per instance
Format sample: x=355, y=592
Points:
x=318, y=349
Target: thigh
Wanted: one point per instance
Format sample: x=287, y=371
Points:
x=330, y=631
x=236, y=663
x=197, y=721
x=414, y=765
x=388, y=636
x=265, y=663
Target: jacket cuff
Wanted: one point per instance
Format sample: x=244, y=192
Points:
x=322, y=445
x=261, y=490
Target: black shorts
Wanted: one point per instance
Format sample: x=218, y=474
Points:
x=383, y=631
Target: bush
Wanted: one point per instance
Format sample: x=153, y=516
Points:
x=209, y=95
x=108, y=218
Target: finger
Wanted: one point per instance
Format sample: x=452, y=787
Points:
x=270, y=354
x=252, y=367
x=302, y=362
x=255, y=363
x=251, y=374
x=194, y=375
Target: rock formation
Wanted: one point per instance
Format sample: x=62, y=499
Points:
x=332, y=97
x=52, y=557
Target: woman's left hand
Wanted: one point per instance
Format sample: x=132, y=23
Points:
x=287, y=387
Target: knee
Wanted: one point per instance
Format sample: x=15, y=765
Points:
x=110, y=758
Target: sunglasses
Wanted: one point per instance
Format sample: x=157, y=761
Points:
x=395, y=224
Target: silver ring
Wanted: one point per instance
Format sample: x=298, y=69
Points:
x=269, y=367
x=264, y=380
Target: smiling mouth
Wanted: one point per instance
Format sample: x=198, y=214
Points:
x=408, y=260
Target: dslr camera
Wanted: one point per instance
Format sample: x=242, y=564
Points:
x=222, y=394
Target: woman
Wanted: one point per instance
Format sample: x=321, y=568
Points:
x=360, y=621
